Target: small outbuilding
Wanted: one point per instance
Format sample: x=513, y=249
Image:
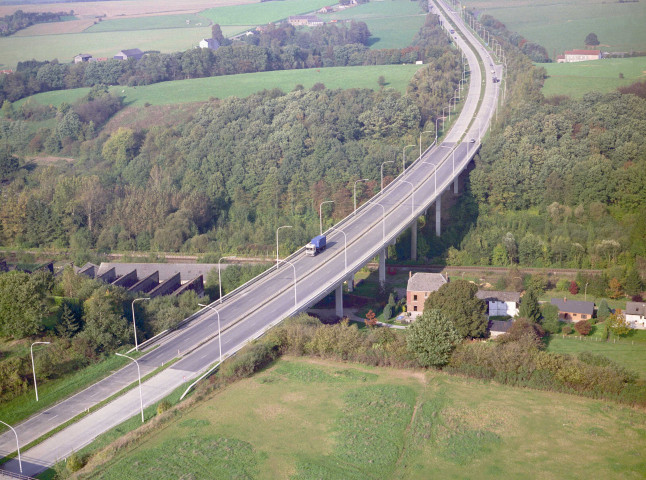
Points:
x=130, y=53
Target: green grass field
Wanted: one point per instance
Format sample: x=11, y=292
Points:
x=393, y=24
x=304, y=419
x=629, y=353
x=102, y=44
x=261, y=13
x=575, y=79
x=149, y=23
x=563, y=25
x=201, y=89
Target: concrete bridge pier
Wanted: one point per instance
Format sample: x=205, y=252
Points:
x=338, y=297
x=413, y=240
x=382, y=266
x=350, y=281
x=455, y=185
x=438, y=210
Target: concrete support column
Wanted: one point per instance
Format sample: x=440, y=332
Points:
x=455, y=185
x=339, y=301
x=350, y=281
x=438, y=210
x=382, y=266
x=413, y=240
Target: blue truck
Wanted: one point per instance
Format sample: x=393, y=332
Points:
x=316, y=245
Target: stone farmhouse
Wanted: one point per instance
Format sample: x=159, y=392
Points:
x=418, y=288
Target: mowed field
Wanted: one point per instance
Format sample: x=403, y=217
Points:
x=393, y=23
x=306, y=419
x=575, y=79
x=243, y=85
x=561, y=25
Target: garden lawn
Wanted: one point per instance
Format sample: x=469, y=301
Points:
x=576, y=79
x=628, y=352
x=308, y=419
x=243, y=85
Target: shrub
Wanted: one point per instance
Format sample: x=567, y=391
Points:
x=563, y=285
x=567, y=329
x=74, y=462
x=583, y=327
x=163, y=406
x=574, y=288
x=550, y=320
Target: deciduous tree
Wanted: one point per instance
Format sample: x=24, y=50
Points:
x=432, y=338
x=458, y=302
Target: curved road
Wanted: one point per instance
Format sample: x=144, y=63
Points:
x=250, y=310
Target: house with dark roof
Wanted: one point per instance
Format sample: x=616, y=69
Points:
x=130, y=53
x=573, y=310
x=500, y=303
x=418, y=288
x=636, y=314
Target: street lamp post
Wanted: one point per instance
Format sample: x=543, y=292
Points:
x=141, y=398
x=437, y=120
x=345, y=249
x=134, y=326
x=321, y=215
x=220, y=274
x=412, y=199
x=292, y=265
x=355, y=191
x=17, y=444
x=404, y=157
x=382, y=172
x=33, y=366
x=219, y=329
x=420, y=141
x=284, y=226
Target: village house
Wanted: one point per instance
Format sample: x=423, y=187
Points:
x=130, y=53
x=636, y=315
x=419, y=286
x=305, y=20
x=210, y=43
x=82, y=57
x=578, y=56
x=500, y=304
x=573, y=310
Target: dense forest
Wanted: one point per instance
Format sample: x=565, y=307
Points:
x=220, y=181
x=10, y=24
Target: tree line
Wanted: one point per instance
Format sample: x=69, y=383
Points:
x=280, y=47
x=10, y=24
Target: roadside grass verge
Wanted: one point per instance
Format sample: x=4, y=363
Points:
x=307, y=419
x=243, y=85
x=51, y=392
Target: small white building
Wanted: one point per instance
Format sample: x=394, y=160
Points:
x=578, y=56
x=636, y=315
x=210, y=43
x=500, y=304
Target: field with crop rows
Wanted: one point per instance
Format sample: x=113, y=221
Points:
x=304, y=419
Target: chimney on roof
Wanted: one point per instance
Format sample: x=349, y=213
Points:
x=564, y=299
x=410, y=273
